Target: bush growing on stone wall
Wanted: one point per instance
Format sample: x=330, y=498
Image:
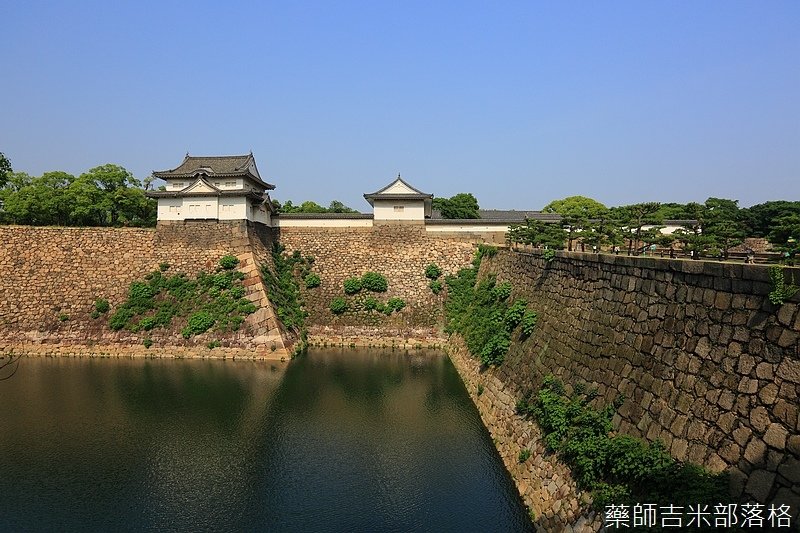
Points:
x=199, y=322
x=502, y=291
x=548, y=255
x=514, y=314
x=338, y=305
x=524, y=455
x=435, y=286
x=394, y=304
x=163, y=267
x=312, y=280
x=528, y=324
x=101, y=305
x=370, y=304
x=284, y=289
x=432, y=271
x=147, y=342
x=480, y=311
x=352, y=285
x=228, y=262
x=781, y=291
x=617, y=468
x=154, y=303
x=372, y=281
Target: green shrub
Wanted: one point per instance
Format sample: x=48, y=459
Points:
x=502, y=291
x=147, y=342
x=432, y=271
x=228, y=262
x=236, y=292
x=213, y=344
x=480, y=389
x=435, y=286
x=524, y=455
x=548, y=255
x=395, y=304
x=95, y=314
x=312, y=280
x=163, y=267
x=780, y=290
x=101, y=306
x=247, y=308
x=529, y=320
x=199, y=322
x=147, y=323
x=63, y=317
x=514, y=314
x=222, y=281
x=352, y=285
x=494, y=351
x=372, y=281
x=618, y=468
x=370, y=304
x=338, y=305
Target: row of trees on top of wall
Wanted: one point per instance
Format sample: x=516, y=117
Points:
x=107, y=195
x=711, y=228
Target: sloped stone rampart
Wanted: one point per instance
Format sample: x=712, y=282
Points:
x=544, y=483
x=705, y=362
x=50, y=273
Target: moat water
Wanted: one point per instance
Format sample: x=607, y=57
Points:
x=333, y=441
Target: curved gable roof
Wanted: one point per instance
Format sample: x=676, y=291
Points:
x=220, y=166
x=399, y=189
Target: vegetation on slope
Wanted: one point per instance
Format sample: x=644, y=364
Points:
x=209, y=301
x=480, y=311
x=617, y=468
x=283, y=287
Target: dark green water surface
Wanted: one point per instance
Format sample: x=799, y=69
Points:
x=333, y=441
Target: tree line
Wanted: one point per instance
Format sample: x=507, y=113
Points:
x=107, y=195
x=711, y=228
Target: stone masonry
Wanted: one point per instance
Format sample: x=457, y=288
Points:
x=49, y=273
x=705, y=362
x=400, y=253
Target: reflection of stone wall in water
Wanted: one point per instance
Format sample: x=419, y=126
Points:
x=706, y=363
x=50, y=277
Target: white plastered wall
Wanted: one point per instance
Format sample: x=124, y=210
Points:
x=385, y=209
x=323, y=222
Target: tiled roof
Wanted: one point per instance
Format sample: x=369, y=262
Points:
x=416, y=195
x=510, y=216
x=220, y=166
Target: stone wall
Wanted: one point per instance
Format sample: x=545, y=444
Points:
x=545, y=484
x=705, y=362
x=400, y=253
x=50, y=278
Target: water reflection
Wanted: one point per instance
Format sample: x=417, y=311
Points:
x=358, y=441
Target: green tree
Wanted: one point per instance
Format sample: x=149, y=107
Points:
x=631, y=219
x=785, y=235
x=759, y=219
x=5, y=169
x=462, y=205
x=338, y=207
x=576, y=213
x=538, y=233
x=722, y=223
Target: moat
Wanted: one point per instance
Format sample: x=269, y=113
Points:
x=353, y=440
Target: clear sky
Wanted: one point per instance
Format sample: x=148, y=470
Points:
x=518, y=102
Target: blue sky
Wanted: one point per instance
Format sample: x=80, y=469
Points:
x=518, y=102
